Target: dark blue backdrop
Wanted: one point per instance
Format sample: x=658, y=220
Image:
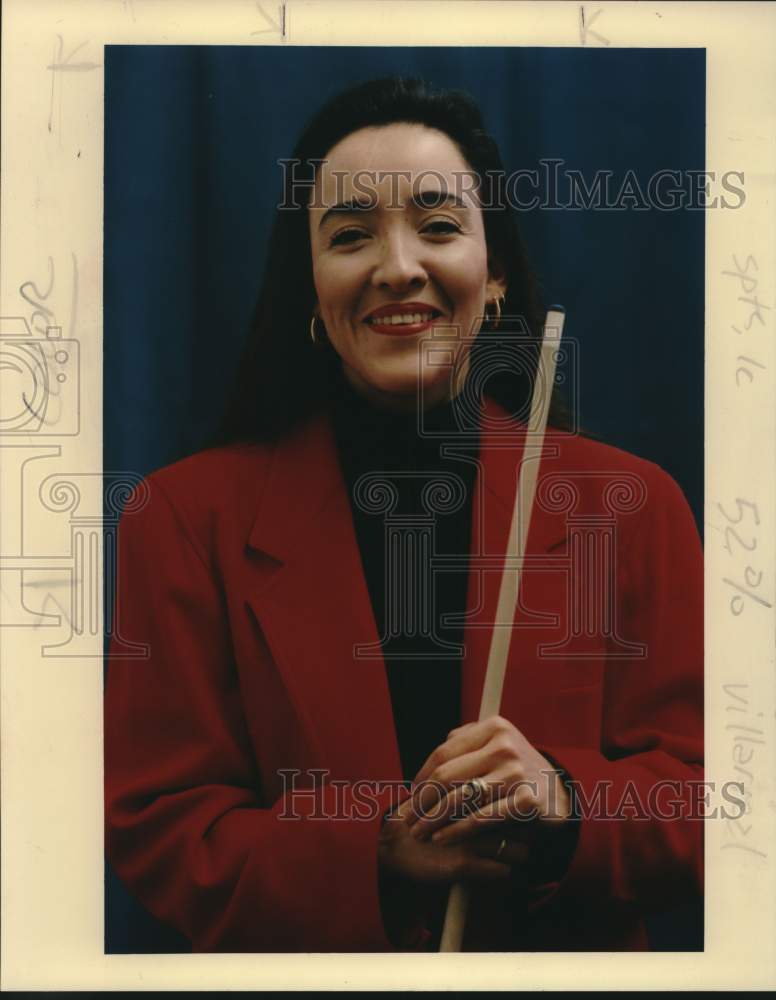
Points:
x=192, y=139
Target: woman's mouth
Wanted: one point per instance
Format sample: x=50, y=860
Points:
x=395, y=324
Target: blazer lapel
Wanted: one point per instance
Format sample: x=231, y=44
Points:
x=313, y=607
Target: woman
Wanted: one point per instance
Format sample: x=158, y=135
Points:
x=297, y=763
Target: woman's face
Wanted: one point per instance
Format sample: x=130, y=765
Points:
x=394, y=265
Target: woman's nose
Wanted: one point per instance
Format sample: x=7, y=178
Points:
x=399, y=265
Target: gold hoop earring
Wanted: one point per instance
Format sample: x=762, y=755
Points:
x=497, y=308
x=313, y=335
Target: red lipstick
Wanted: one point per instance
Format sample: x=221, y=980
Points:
x=396, y=319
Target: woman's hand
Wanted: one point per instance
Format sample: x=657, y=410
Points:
x=524, y=797
x=402, y=855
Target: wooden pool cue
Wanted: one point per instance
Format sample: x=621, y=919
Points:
x=457, y=902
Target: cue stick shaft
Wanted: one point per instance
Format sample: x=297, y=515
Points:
x=457, y=903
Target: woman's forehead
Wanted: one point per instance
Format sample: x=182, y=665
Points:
x=398, y=159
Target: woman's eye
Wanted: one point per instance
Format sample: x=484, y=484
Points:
x=441, y=227
x=347, y=236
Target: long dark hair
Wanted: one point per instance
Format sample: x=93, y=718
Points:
x=283, y=376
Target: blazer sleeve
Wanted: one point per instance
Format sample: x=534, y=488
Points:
x=639, y=794
x=187, y=829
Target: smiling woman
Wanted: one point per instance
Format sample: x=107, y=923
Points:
x=298, y=764
x=412, y=235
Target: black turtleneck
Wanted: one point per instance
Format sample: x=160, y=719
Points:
x=408, y=602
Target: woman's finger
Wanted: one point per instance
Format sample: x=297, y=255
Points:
x=474, y=749
x=435, y=797
x=482, y=870
x=424, y=862
x=431, y=814
x=466, y=739
x=402, y=811
x=501, y=848
x=520, y=807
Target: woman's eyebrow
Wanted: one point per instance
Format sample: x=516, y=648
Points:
x=435, y=198
x=347, y=207
x=423, y=200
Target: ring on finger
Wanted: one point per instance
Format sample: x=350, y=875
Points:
x=474, y=793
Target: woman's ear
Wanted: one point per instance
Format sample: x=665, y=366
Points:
x=497, y=282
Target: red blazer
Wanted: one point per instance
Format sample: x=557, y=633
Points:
x=238, y=568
